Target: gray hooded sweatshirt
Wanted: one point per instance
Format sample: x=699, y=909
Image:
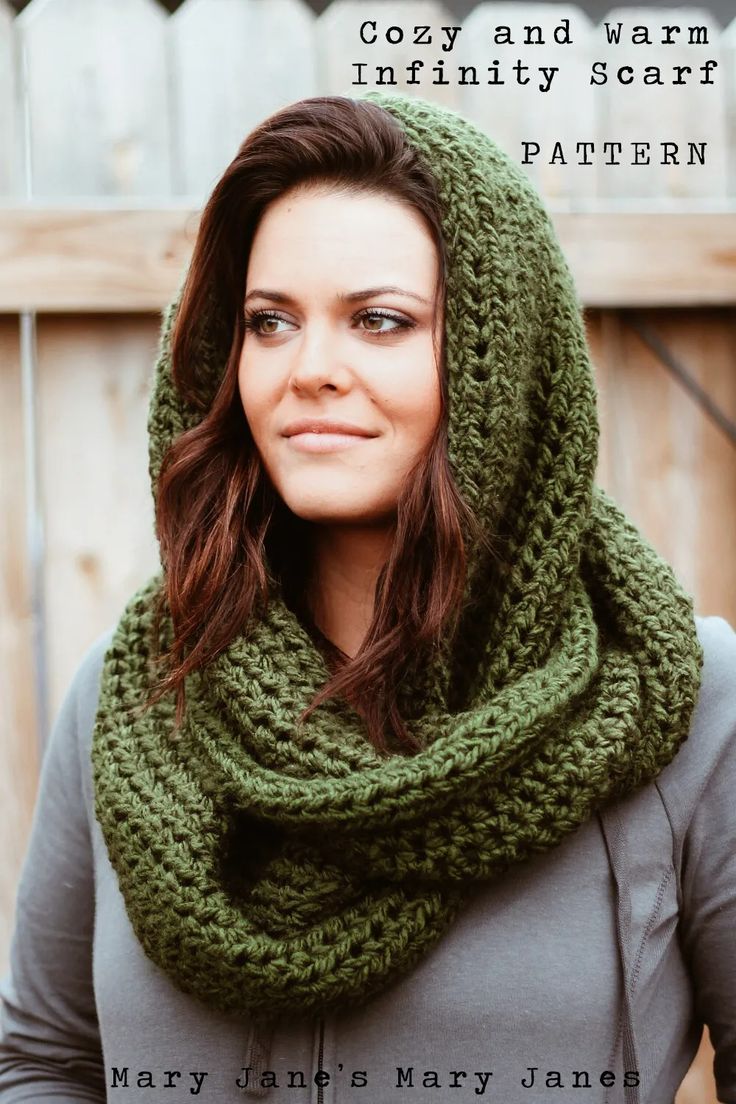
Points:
x=585, y=974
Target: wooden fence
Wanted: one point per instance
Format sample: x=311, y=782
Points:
x=117, y=98
x=116, y=120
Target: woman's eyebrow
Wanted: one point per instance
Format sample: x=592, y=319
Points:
x=344, y=297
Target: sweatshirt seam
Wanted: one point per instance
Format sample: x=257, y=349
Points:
x=685, y=829
x=676, y=845
x=653, y=915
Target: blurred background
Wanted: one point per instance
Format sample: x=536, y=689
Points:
x=117, y=117
x=460, y=8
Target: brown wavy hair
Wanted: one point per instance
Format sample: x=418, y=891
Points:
x=222, y=527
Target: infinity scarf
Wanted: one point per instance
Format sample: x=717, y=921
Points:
x=281, y=874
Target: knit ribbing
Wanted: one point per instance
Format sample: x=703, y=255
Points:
x=282, y=873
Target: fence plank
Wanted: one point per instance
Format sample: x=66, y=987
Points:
x=18, y=721
x=98, y=107
x=679, y=113
x=648, y=259
x=668, y=465
x=11, y=170
x=646, y=413
x=340, y=49
x=75, y=259
x=92, y=259
x=705, y=345
x=98, y=97
x=728, y=45
x=94, y=377
x=18, y=745
x=514, y=113
x=234, y=62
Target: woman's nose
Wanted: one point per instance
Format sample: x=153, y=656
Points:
x=317, y=357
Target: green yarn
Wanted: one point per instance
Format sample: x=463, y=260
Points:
x=281, y=874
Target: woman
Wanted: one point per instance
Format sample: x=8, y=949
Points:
x=410, y=774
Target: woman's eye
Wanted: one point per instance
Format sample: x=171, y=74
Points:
x=397, y=323
x=262, y=322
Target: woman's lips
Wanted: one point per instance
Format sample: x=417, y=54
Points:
x=326, y=442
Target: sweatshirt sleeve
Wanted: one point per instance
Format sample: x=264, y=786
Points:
x=709, y=863
x=49, y=1037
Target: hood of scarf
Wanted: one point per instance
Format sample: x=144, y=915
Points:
x=278, y=872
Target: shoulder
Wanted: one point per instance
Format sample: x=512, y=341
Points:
x=718, y=640
x=67, y=754
x=713, y=725
x=710, y=747
x=84, y=688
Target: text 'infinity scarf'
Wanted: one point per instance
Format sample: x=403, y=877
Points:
x=280, y=874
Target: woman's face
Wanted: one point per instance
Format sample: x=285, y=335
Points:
x=339, y=306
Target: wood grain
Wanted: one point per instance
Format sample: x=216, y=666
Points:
x=130, y=258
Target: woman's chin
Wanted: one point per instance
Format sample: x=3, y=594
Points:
x=333, y=511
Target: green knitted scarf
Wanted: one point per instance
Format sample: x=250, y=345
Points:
x=281, y=873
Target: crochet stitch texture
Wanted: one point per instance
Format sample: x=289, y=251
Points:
x=572, y=682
